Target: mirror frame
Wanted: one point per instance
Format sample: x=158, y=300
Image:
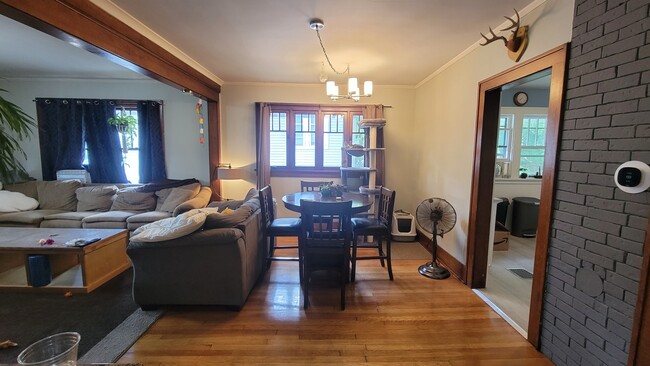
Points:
x=483, y=175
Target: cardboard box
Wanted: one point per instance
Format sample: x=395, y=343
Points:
x=501, y=237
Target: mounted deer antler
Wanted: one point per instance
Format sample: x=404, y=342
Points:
x=517, y=42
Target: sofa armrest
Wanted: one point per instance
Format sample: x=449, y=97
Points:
x=199, y=201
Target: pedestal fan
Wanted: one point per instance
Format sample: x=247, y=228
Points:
x=437, y=217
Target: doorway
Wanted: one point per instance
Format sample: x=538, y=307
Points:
x=481, y=218
x=523, y=117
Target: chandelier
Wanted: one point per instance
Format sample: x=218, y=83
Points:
x=331, y=88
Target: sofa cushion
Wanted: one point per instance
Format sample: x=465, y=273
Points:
x=73, y=216
x=170, y=228
x=16, y=201
x=222, y=205
x=27, y=188
x=129, y=200
x=33, y=217
x=58, y=194
x=147, y=217
x=169, y=198
x=95, y=198
x=74, y=224
x=110, y=216
x=224, y=220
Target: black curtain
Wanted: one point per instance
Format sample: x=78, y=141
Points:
x=150, y=141
x=61, y=135
x=103, y=140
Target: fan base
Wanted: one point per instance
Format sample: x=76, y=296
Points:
x=432, y=270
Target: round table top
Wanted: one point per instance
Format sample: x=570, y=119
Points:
x=360, y=202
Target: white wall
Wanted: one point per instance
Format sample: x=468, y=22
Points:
x=445, y=118
x=185, y=156
x=238, y=132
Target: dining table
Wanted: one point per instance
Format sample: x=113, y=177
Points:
x=360, y=202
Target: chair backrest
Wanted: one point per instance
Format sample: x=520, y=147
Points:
x=266, y=206
x=386, y=206
x=326, y=223
x=306, y=186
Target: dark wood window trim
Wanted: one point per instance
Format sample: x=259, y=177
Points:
x=320, y=110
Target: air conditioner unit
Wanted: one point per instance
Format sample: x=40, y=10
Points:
x=403, y=226
x=73, y=174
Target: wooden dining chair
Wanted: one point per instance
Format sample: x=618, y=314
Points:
x=273, y=228
x=379, y=228
x=325, y=246
x=308, y=186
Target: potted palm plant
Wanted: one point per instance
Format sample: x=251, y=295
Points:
x=15, y=126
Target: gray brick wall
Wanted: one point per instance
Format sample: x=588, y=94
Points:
x=596, y=227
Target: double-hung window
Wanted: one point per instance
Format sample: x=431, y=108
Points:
x=533, y=140
x=307, y=140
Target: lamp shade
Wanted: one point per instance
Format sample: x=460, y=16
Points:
x=352, y=85
x=330, y=87
x=227, y=173
x=367, y=88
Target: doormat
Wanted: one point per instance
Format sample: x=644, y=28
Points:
x=521, y=272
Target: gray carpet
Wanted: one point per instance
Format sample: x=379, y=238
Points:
x=117, y=342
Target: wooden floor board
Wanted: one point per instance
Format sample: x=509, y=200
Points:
x=410, y=321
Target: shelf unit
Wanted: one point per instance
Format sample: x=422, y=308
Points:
x=363, y=178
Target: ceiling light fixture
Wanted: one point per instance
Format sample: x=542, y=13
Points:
x=330, y=86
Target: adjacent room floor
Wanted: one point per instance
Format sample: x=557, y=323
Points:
x=507, y=291
x=412, y=320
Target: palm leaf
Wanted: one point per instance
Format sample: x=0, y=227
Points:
x=15, y=126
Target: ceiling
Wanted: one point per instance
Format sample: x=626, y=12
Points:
x=392, y=42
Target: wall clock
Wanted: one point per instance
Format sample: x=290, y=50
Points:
x=520, y=98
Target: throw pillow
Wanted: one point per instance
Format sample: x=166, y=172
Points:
x=95, y=198
x=16, y=201
x=250, y=194
x=175, y=196
x=58, y=194
x=170, y=228
x=129, y=200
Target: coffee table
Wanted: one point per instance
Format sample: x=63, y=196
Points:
x=75, y=269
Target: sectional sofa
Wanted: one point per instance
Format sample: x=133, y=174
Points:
x=71, y=204
x=216, y=265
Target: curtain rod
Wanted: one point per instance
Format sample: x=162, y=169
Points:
x=118, y=101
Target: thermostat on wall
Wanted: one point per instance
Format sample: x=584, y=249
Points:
x=633, y=176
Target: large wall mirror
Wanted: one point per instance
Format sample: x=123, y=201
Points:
x=517, y=132
x=38, y=65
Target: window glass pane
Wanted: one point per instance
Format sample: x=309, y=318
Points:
x=333, y=139
x=305, y=139
x=129, y=146
x=358, y=138
x=504, y=137
x=278, y=136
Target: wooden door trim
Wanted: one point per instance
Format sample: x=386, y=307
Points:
x=85, y=25
x=483, y=176
x=640, y=315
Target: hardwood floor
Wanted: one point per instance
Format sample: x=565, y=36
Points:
x=412, y=320
x=507, y=291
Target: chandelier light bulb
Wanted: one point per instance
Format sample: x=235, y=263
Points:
x=367, y=88
x=352, y=85
x=330, y=88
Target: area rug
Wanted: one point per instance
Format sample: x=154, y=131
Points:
x=101, y=316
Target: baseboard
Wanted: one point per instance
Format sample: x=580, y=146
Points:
x=447, y=260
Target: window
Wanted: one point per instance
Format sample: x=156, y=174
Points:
x=504, y=137
x=129, y=145
x=521, y=139
x=311, y=145
x=533, y=140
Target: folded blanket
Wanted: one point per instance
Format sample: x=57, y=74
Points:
x=16, y=201
x=168, y=183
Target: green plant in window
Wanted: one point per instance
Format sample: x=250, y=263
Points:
x=126, y=125
x=15, y=126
